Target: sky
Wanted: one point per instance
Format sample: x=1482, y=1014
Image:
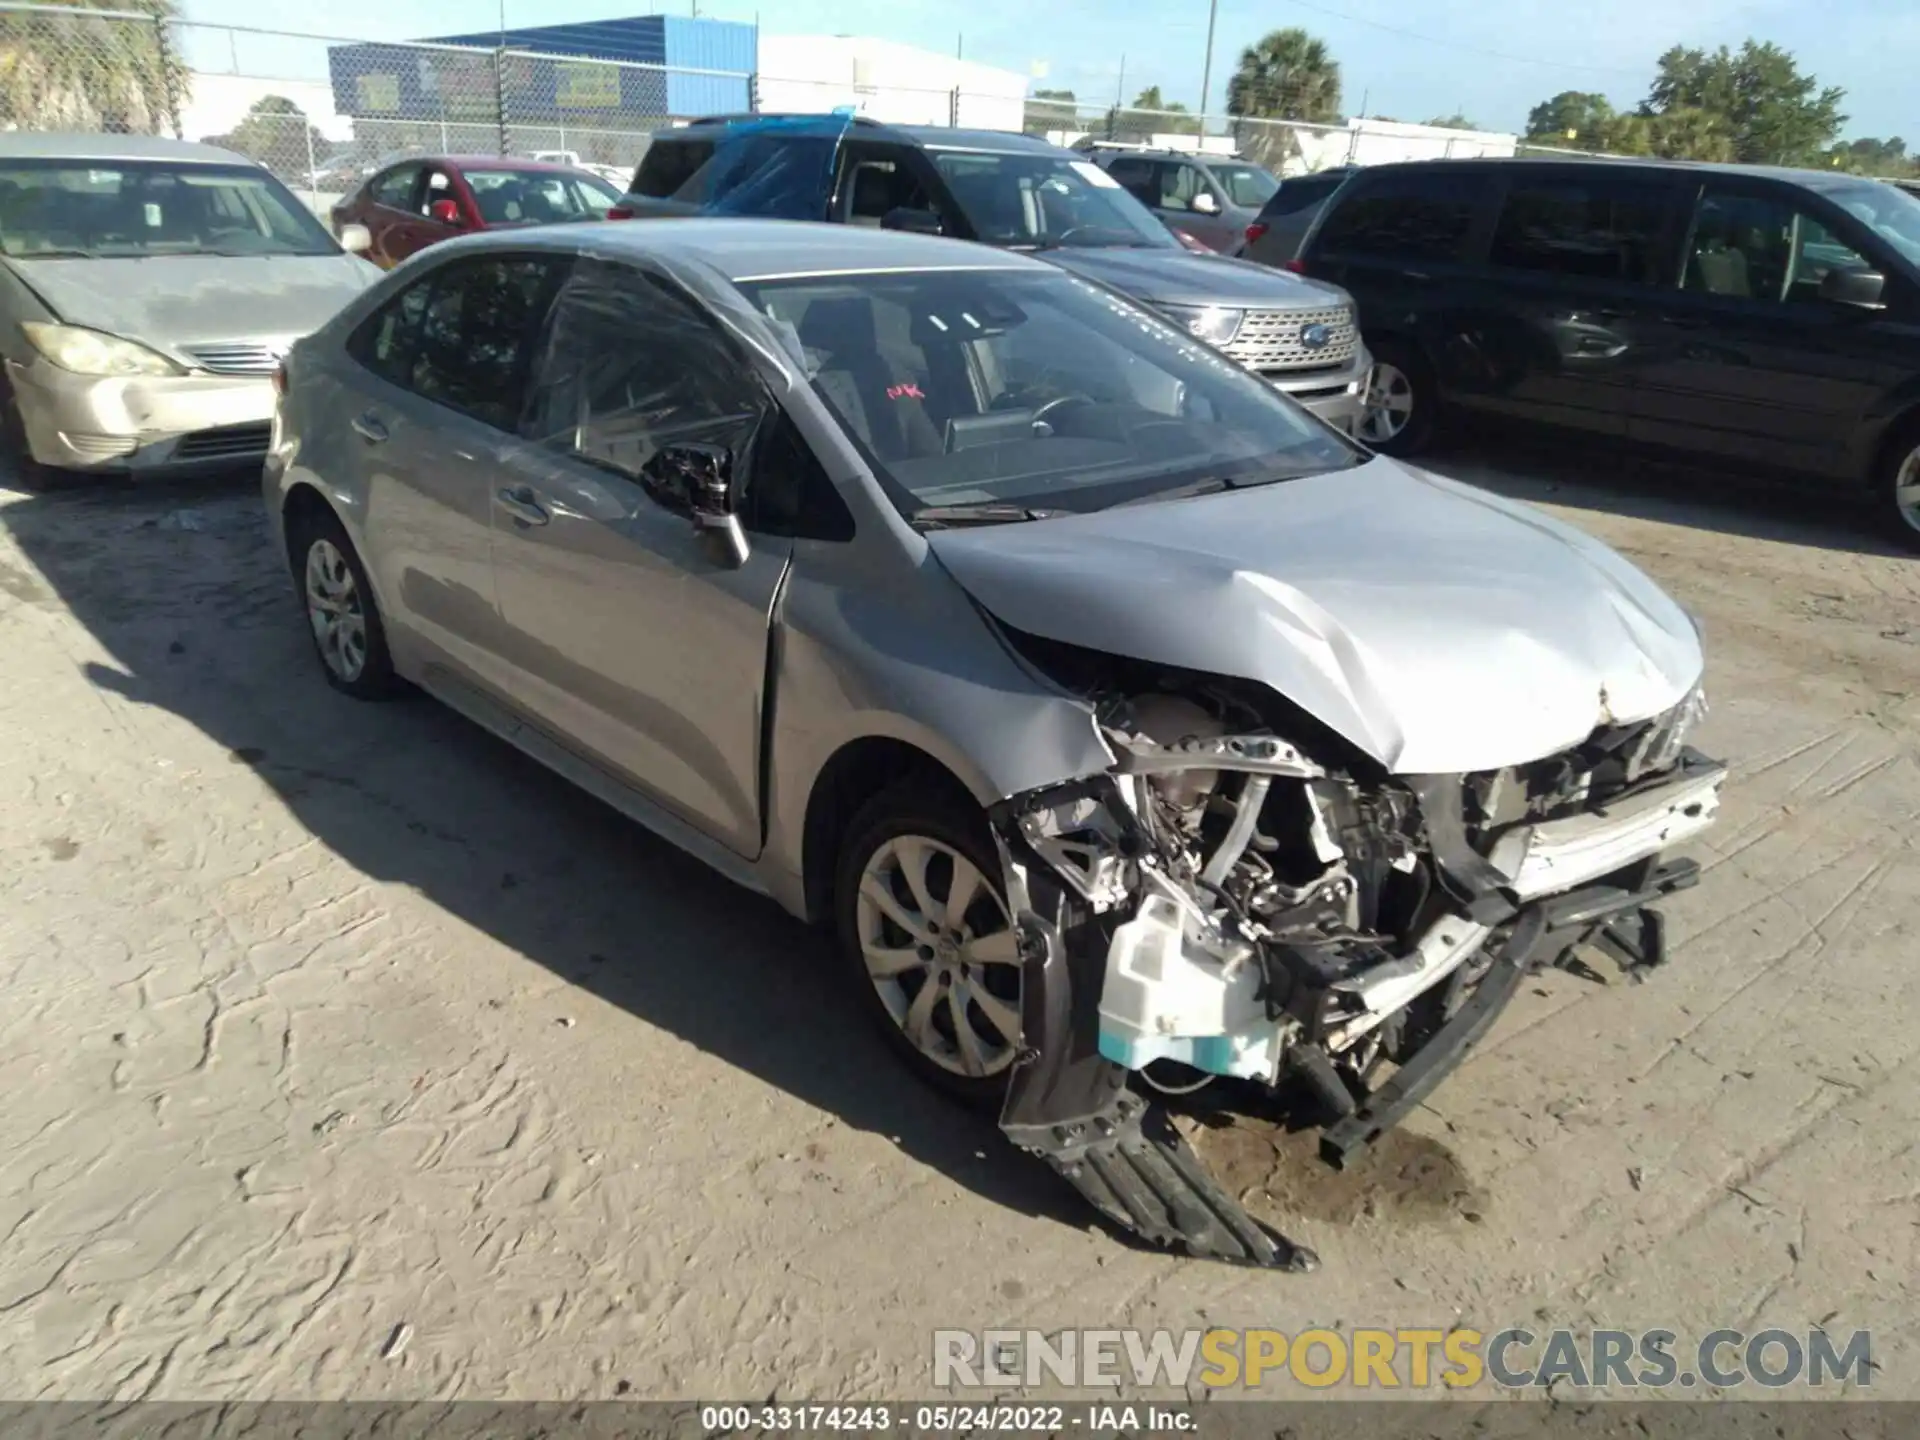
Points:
x=1491, y=60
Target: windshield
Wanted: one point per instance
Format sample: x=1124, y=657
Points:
x=120, y=209
x=1005, y=387
x=1247, y=186
x=539, y=197
x=1888, y=211
x=1044, y=200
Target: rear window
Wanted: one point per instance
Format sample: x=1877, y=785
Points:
x=668, y=165
x=1406, y=216
x=1294, y=196
x=1599, y=227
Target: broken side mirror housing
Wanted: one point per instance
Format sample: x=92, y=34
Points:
x=699, y=479
x=914, y=222
x=1860, y=289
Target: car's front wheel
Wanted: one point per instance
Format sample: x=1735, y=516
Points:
x=1397, y=409
x=925, y=934
x=1899, y=486
x=342, y=616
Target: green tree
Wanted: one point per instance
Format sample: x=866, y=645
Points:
x=1872, y=157
x=1287, y=75
x=1689, y=133
x=85, y=72
x=276, y=132
x=1154, y=115
x=1774, y=113
x=1576, y=119
x=1455, y=121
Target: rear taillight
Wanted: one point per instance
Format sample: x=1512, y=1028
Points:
x=620, y=212
x=280, y=378
x=1256, y=230
x=1296, y=266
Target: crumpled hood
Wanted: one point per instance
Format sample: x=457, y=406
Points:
x=1184, y=277
x=174, y=300
x=1439, y=628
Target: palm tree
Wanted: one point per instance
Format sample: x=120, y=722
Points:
x=1288, y=75
x=82, y=72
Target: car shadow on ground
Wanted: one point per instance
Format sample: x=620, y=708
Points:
x=178, y=585
x=1613, y=480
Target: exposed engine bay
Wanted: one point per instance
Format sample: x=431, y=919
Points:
x=1244, y=895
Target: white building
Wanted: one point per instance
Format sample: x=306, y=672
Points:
x=896, y=84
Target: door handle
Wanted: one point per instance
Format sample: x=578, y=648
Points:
x=519, y=502
x=369, y=427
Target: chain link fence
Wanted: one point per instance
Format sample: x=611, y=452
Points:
x=323, y=112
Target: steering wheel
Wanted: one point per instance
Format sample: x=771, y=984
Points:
x=1059, y=403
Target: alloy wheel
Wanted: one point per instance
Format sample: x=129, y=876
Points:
x=941, y=954
x=1387, y=406
x=1906, y=489
x=335, y=611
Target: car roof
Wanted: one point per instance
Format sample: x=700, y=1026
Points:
x=477, y=162
x=44, y=145
x=1810, y=179
x=926, y=137
x=751, y=249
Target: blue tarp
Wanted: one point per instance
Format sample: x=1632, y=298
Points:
x=776, y=169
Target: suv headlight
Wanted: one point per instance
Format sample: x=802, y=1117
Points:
x=1214, y=324
x=94, y=352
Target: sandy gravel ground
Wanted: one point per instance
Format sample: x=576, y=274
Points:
x=347, y=1053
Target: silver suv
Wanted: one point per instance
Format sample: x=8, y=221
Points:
x=1017, y=193
x=1131, y=730
x=1210, y=197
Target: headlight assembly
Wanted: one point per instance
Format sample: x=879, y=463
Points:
x=94, y=352
x=1214, y=324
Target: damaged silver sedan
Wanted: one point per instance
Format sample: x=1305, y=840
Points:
x=1133, y=730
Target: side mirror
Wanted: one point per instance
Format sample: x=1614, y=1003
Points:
x=1860, y=289
x=355, y=239
x=1205, y=204
x=916, y=222
x=447, y=212
x=699, y=479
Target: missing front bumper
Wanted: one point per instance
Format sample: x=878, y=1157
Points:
x=1071, y=1106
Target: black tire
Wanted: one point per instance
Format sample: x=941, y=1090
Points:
x=1899, y=461
x=907, y=811
x=28, y=473
x=374, y=678
x=1394, y=362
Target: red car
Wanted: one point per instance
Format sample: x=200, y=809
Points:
x=408, y=204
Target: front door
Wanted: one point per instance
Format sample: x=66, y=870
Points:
x=1745, y=362
x=632, y=641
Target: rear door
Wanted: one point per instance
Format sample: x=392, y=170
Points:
x=1577, y=260
x=1277, y=232
x=630, y=639
x=1744, y=362
x=444, y=367
x=1405, y=241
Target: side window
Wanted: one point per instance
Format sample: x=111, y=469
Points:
x=875, y=186
x=1179, y=184
x=1760, y=247
x=385, y=339
x=396, y=187
x=1600, y=227
x=631, y=367
x=439, y=186
x=460, y=336
x=1405, y=216
x=787, y=491
x=1137, y=177
x=668, y=165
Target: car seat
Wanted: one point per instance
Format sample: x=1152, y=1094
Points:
x=872, y=196
x=1715, y=266
x=881, y=399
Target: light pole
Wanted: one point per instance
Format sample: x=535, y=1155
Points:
x=1206, y=68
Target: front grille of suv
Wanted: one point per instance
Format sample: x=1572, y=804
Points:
x=1272, y=340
